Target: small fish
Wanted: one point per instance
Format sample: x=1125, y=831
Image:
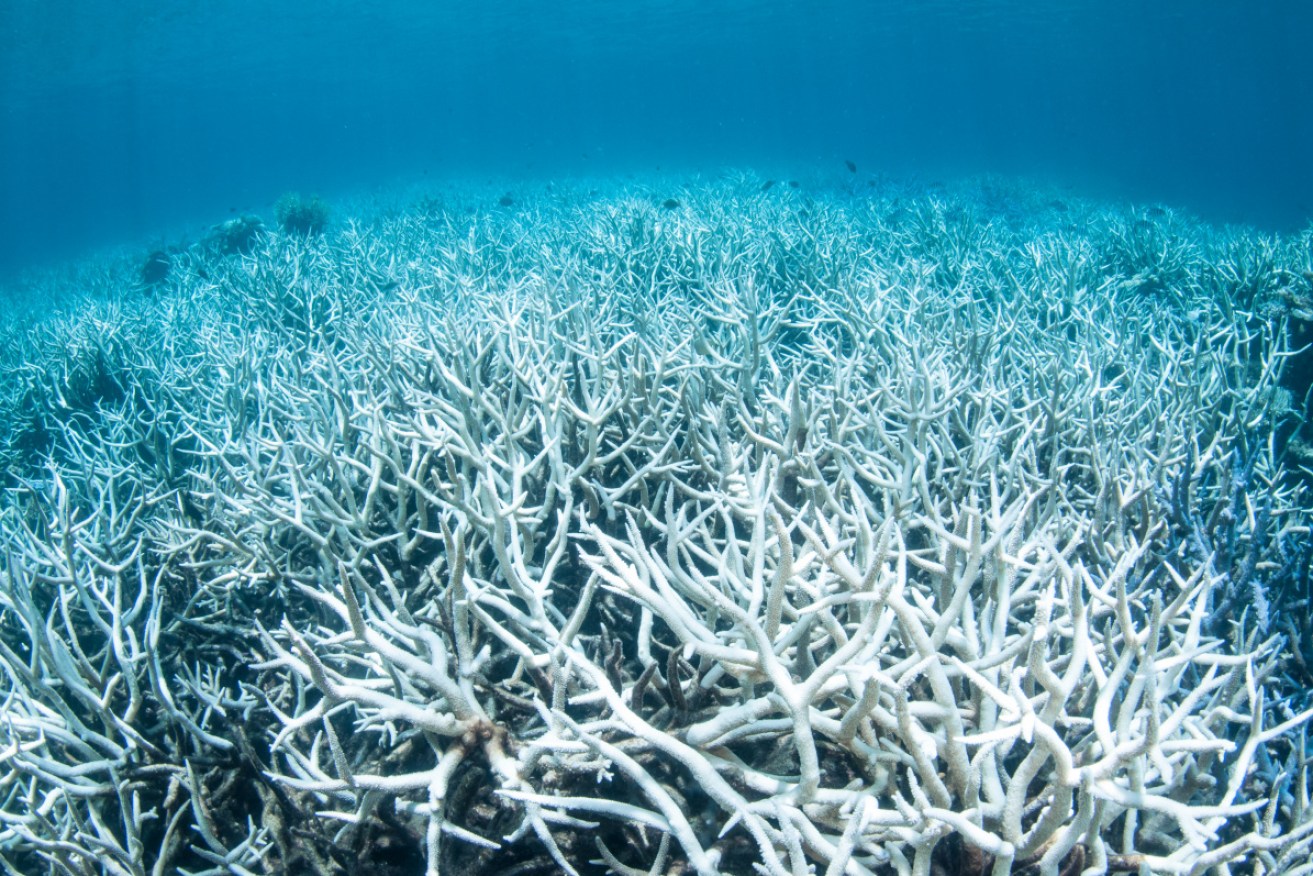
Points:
x=766, y=186
x=670, y=204
x=793, y=183
x=506, y=200
x=852, y=168
x=37, y=485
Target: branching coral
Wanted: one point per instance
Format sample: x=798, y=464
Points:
x=593, y=537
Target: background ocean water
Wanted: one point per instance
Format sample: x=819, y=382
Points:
x=121, y=120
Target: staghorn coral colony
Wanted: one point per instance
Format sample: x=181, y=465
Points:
x=892, y=530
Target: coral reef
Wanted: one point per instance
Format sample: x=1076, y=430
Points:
x=237, y=236
x=846, y=533
x=301, y=214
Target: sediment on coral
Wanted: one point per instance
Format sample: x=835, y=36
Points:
x=786, y=529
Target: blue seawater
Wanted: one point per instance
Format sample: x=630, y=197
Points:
x=122, y=119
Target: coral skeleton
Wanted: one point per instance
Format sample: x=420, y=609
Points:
x=843, y=531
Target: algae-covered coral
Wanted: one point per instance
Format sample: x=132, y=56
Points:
x=895, y=531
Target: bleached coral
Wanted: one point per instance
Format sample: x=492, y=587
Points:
x=839, y=535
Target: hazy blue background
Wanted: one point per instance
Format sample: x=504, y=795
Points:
x=122, y=119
